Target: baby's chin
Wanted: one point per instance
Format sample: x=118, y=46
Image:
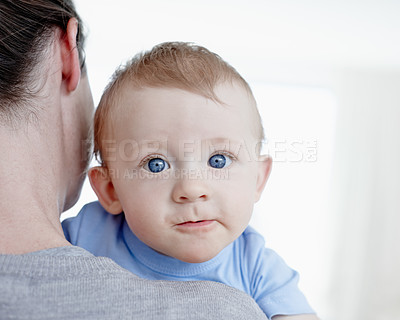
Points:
x=196, y=257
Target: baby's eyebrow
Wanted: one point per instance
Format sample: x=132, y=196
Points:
x=132, y=146
x=141, y=147
x=223, y=142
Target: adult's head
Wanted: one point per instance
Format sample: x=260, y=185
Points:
x=45, y=99
x=26, y=31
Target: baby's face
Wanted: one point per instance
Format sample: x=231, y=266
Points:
x=186, y=170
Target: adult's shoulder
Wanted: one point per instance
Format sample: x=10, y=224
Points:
x=85, y=287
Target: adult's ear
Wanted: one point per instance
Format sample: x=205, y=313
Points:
x=264, y=170
x=102, y=185
x=71, y=68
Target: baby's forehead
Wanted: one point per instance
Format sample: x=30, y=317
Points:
x=224, y=93
x=231, y=97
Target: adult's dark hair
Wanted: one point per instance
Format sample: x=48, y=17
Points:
x=26, y=28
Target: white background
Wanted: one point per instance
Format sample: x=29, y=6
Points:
x=326, y=75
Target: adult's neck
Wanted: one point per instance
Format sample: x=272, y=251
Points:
x=31, y=198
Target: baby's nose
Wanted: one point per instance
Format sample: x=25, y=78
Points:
x=190, y=190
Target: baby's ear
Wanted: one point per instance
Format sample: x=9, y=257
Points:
x=103, y=187
x=264, y=169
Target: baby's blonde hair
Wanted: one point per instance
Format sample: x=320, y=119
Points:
x=178, y=65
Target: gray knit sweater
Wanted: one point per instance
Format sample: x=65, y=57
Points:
x=70, y=283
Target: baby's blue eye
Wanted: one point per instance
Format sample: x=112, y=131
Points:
x=219, y=161
x=156, y=165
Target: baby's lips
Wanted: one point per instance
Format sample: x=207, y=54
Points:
x=197, y=223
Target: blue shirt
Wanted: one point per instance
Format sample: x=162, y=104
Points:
x=244, y=264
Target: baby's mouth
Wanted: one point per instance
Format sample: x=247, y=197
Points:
x=198, y=223
x=186, y=222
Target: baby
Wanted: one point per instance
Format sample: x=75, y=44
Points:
x=178, y=136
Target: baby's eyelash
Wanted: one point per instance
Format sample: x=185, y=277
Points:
x=149, y=157
x=225, y=153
